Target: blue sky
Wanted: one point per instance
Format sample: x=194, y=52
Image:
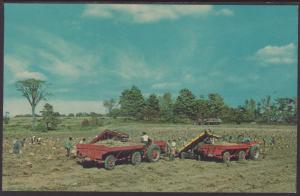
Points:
x=89, y=53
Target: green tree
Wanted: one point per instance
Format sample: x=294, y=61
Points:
x=34, y=91
x=50, y=119
x=286, y=109
x=216, y=105
x=151, y=110
x=185, y=103
x=115, y=112
x=132, y=103
x=238, y=114
x=109, y=105
x=166, y=107
x=250, y=110
x=202, y=108
x=266, y=108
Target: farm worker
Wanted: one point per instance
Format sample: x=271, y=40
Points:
x=273, y=140
x=68, y=146
x=23, y=142
x=169, y=148
x=32, y=139
x=212, y=140
x=145, y=138
x=82, y=141
x=39, y=140
x=17, y=145
x=173, y=150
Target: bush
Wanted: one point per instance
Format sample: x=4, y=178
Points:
x=41, y=127
x=85, y=123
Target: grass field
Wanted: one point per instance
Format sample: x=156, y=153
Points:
x=45, y=167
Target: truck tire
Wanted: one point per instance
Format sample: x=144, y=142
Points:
x=136, y=158
x=242, y=155
x=226, y=157
x=110, y=162
x=153, y=153
x=254, y=152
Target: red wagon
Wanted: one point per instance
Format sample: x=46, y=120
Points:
x=109, y=155
x=200, y=149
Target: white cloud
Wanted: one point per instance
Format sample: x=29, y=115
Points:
x=65, y=58
x=225, y=12
x=28, y=74
x=188, y=77
x=19, y=68
x=152, y=13
x=276, y=54
x=21, y=106
x=57, y=56
x=165, y=85
x=131, y=66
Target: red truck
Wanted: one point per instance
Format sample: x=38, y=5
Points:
x=202, y=147
x=109, y=155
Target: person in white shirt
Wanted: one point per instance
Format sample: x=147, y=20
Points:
x=145, y=138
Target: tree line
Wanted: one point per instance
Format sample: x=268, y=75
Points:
x=187, y=107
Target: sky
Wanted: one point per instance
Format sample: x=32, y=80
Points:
x=88, y=53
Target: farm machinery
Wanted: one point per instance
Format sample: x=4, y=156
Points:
x=204, y=147
x=109, y=134
x=109, y=155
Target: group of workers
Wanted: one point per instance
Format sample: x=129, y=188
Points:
x=171, y=144
x=69, y=145
x=19, y=143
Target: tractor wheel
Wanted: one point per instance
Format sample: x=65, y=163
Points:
x=109, y=162
x=153, y=153
x=136, y=158
x=226, y=157
x=254, y=152
x=242, y=155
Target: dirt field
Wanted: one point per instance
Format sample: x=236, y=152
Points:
x=44, y=167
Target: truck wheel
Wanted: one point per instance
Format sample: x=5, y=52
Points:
x=109, y=162
x=153, y=153
x=254, y=152
x=242, y=155
x=136, y=158
x=226, y=157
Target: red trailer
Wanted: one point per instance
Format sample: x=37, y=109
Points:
x=228, y=151
x=109, y=155
x=202, y=147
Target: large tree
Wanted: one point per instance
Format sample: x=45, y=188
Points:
x=132, y=102
x=202, y=108
x=151, y=110
x=286, y=109
x=166, y=107
x=250, y=110
x=34, y=91
x=185, y=104
x=216, y=105
x=266, y=108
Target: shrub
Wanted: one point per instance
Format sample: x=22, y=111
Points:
x=85, y=123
